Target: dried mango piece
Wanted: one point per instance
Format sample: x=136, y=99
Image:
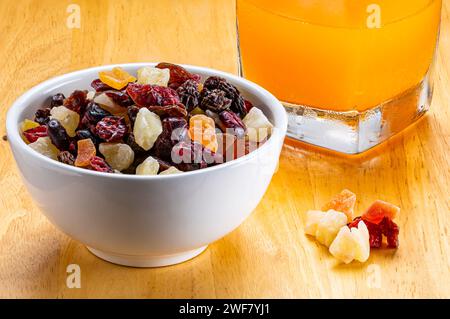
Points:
x=380, y=209
x=343, y=202
x=351, y=244
x=86, y=151
x=117, y=78
x=202, y=130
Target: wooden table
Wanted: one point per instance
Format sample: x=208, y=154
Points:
x=269, y=255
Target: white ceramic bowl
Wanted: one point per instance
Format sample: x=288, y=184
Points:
x=145, y=221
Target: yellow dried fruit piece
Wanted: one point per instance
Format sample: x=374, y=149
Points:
x=258, y=126
x=170, y=171
x=68, y=118
x=28, y=125
x=153, y=76
x=329, y=226
x=147, y=128
x=44, y=146
x=86, y=151
x=313, y=218
x=117, y=78
x=148, y=167
x=118, y=155
x=351, y=244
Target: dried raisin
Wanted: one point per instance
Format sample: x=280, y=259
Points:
x=214, y=100
x=66, y=157
x=42, y=116
x=57, y=100
x=189, y=94
x=232, y=123
x=77, y=101
x=58, y=135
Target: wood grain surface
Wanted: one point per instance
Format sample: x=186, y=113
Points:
x=269, y=255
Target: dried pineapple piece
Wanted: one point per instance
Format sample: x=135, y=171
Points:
x=329, y=226
x=44, y=146
x=147, y=128
x=351, y=244
x=313, y=218
x=118, y=155
x=148, y=167
x=258, y=126
x=154, y=76
x=170, y=171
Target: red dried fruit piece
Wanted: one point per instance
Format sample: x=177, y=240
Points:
x=178, y=74
x=248, y=105
x=188, y=156
x=145, y=95
x=169, y=110
x=343, y=202
x=232, y=123
x=86, y=150
x=33, y=134
x=391, y=231
x=120, y=98
x=111, y=128
x=98, y=164
x=380, y=209
x=77, y=101
x=174, y=131
x=99, y=86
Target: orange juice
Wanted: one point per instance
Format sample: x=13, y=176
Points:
x=338, y=55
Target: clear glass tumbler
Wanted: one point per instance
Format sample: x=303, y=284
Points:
x=351, y=73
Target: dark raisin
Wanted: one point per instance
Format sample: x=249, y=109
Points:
x=77, y=101
x=66, y=157
x=189, y=94
x=130, y=140
x=42, y=116
x=132, y=112
x=57, y=100
x=33, y=134
x=231, y=92
x=121, y=98
x=111, y=128
x=174, y=130
x=84, y=134
x=58, y=135
x=99, y=86
x=214, y=100
x=94, y=113
x=189, y=156
x=178, y=74
x=232, y=123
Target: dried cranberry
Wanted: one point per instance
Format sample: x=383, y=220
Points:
x=174, y=130
x=214, y=100
x=94, y=113
x=33, y=134
x=77, y=101
x=188, y=156
x=58, y=135
x=178, y=74
x=375, y=232
x=57, y=100
x=98, y=164
x=145, y=95
x=42, y=116
x=99, y=86
x=232, y=123
x=66, y=157
x=120, y=98
x=391, y=231
x=169, y=110
x=111, y=128
x=248, y=105
x=189, y=94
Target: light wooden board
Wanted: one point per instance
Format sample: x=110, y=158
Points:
x=268, y=256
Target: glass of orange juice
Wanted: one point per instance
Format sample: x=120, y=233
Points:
x=351, y=73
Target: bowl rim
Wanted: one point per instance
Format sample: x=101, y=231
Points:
x=14, y=137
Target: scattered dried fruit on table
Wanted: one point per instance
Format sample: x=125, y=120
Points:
x=258, y=126
x=147, y=128
x=68, y=118
x=117, y=78
x=329, y=225
x=149, y=166
x=86, y=151
x=152, y=75
x=44, y=146
x=118, y=155
x=343, y=202
x=313, y=218
x=351, y=244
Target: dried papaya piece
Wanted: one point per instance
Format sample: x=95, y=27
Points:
x=86, y=151
x=117, y=78
x=343, y=202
